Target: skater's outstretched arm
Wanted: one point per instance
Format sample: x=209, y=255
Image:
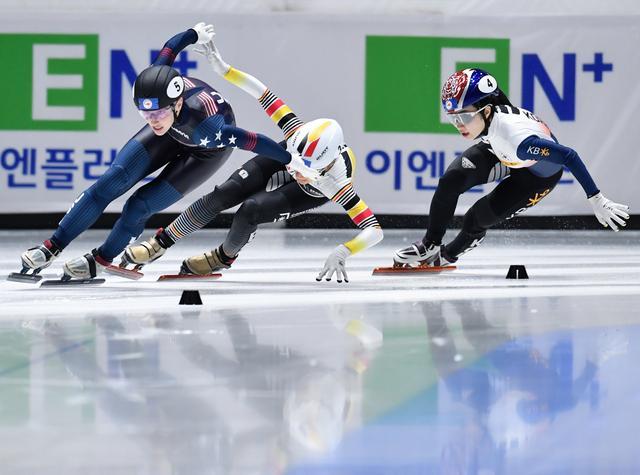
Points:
x=337, y=184
x=199, y=34
x=609, y=214
x=279, y=112
x=276, y=109
x=362, y=217
x=213, y=132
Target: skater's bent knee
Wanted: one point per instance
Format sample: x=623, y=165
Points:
x=250, y=211
x=135, y=208
x=480, y=217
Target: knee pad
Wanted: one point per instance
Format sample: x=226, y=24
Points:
x=135, y=209
x=112, y=184
x=250, y=211
x=479, y=218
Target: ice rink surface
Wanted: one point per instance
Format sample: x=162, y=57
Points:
x=464, y=372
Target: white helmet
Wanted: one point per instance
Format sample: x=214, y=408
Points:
x=318, y=142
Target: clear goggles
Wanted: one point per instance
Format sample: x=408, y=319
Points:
x=463, y=118
x=158, y=114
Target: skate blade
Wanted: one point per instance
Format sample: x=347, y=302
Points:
x=169, y=277
x=71, y=282
x=411, y=270
x=24, y=278
x=122, y=272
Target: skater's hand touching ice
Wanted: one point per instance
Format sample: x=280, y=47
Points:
x=335, y=264
x=609, y=214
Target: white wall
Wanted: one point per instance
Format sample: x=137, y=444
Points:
x=485, y=8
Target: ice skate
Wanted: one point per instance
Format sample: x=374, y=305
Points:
x=202, y=267
x=204, y=277
x=85, y=267
x=80, y=271
x=418, y=254
x=207, y=263
x=83, y=270
x=418, y=258
x=146, y=252
x=35, y=259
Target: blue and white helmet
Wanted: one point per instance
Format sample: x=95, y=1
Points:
x=466, y=88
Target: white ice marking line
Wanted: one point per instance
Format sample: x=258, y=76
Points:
x=211, y=300
x=127, y=356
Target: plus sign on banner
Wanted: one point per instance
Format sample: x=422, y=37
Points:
x=598, y=67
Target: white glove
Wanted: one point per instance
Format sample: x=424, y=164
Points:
x=296, y=165
x=608, y=212
x=205, y=32
x=209, y=51
x=335, y=263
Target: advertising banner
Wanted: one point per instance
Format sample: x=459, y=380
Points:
x=67, y=106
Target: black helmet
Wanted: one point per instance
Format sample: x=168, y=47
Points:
x=157, y=87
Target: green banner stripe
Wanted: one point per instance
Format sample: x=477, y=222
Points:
x=403, y=80
x=17, y=57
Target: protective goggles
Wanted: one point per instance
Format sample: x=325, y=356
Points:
x=157, y=114
x=463, y=118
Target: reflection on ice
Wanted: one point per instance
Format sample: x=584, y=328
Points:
x=275, y=373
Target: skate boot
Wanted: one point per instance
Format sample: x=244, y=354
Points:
x=147, y=251
x=35, y=259
x=40, y=257
x=417, y=254
x=207, y=263
x=445, y=259
x=85, y=267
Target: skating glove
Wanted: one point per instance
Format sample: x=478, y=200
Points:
x=335, y=263
x=608, y=212
x=205, y=32
x=208, y=50
x=296, y=165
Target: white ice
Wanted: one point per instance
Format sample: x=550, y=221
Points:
x=278, y=373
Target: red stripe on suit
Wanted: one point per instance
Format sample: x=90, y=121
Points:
x=274, y=107
x=362, y=216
